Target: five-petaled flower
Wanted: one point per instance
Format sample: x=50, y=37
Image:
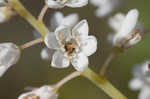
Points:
x=9, y=55
x=44, y=92
x=71, y=45
x=69, y=3
x=58, y=19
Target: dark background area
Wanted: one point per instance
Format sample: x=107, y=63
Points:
x=34, y=72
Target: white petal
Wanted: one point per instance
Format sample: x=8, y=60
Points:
x=136, y=84
x=144, y=93
x=3, y=69
x=56, y=20
x=46, y=53
x=62, y=32
x=77, y=3
x=54, y=4
x=70, y=20
x=81, y=28
x=59, y=60
x=44, y=92
x=88, y=45
x=3, y=16
x=116, y=21
x=9, y=54
x=128, y=25
x=81, y=62
x=51, y=41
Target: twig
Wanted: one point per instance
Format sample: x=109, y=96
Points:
x=42, y=13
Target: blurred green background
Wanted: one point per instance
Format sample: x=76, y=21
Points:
x=34, y=72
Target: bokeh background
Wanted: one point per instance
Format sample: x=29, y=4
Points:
x=31, y=71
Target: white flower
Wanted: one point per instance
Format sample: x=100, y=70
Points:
x=105, y=7
x=58, y=19
x=141, y=80
x=9, y=55
x=69, y=3
x=128, y=34
x=44, y=92
x=5, y=13
x=71, y=45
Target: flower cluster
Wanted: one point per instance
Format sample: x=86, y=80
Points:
x=141, y=80
x=68, y=42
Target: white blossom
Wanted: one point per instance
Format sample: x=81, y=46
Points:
x=58, y=19
x=9, y=55
x=126, y=28
x=69, y=3
x=105, y=7
x=141, y=80
x=44, y=92
x=71, y=45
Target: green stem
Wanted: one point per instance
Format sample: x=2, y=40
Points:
x=26, y=15
x=104, y=84
x=100, y=81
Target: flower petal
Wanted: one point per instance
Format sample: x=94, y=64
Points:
x=70, y=20
x=46, y=53
x=59, y=60
x=54, y=4
x=128, y=25
x=77, y=3
x=136, y=84
x=80, y=62
x=144, y=93
x=3, y=69
x=62, y=32
x=51, y=41
x=88, y=45
x=56, y=20
x=81, y=28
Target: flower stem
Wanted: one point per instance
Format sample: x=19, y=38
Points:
x=31, y=43
x=26, y=15
x=104, y=84
x=43, y=12
x=100, y=81
x=104, y=67
x=67, y=78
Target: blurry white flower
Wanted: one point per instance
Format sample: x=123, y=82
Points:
x=5, y=13
x=69, y=3
x=127, y=32
x=9, y=55
x=44, y=92
x=105, y=7
x=71, y=45
x=141, y=80
x=58, y=19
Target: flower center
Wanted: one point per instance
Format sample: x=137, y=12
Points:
x=70, y=47
x=31, y=96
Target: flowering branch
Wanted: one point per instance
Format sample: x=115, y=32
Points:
x=26, y=15
x=115, y=52
x=104, y=84
x=100, y=81
x=42, y=13
x=67, y=78
x=31, y=43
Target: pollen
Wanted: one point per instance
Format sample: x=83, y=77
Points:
x=70, y=47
